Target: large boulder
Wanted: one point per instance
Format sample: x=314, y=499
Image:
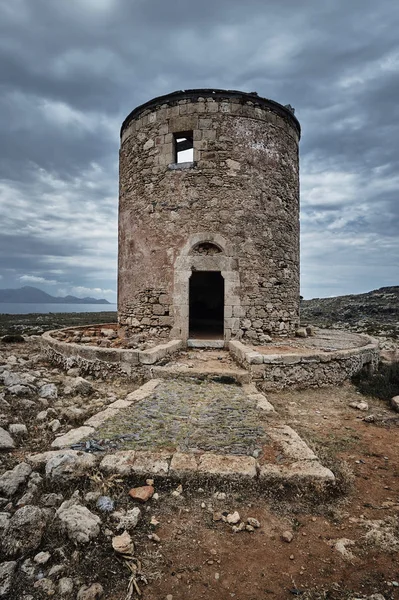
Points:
x=11, y=480
x=25, y=530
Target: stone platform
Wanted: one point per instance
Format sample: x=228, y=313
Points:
x=196, y=429
x=328, y=357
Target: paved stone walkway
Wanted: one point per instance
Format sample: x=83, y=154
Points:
x=190, y=415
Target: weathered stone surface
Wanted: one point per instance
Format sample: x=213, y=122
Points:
x=48, y=391
x=153, y=463
x=306, y=471
x=153, y=288
x=65, y=465
x=395, y=403
x=92, y=592
x=119, y=462
x=79, y=386
x=229, y=466
x=17, y=429
x=78, y=522
x=7, y=570
x=100, y=417
x=11, y=480
x=123, y=544
x=73, y=436
x=24, y=531
x=65, y=586
x=291, y=444
x=142, y=494
x=129, y=520
x=6, y=441
x=183, y=463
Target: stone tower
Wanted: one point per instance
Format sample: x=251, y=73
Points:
x=209, y=217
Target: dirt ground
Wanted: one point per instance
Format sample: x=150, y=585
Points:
x=343, y=547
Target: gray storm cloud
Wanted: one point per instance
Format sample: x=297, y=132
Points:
x=71, y=72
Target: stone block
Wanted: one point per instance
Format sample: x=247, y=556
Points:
x=183, y=463
x=291, y=444
x=227, y=465
x=72, y=437
x=99, y=419
x=152, y=463
x=120, y=462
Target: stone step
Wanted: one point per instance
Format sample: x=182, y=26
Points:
x=183, y=372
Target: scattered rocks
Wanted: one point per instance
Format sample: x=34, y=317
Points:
x=10, y=481
x=78, y=522
x=6, y=441
x=123, y=544
x=142, y=494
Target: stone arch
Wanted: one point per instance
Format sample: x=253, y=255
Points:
x=223, y=261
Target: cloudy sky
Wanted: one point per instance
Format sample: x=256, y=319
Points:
x=71, y=70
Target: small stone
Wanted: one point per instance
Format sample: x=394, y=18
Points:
x=292, y=557
x=169, y=597
x=65, y=586
x=154, y=537
x=123, y=544
x=42, y=558
x=92, y=592
x=10, y=481
x=54, y=425
x=129, y=520
x=45, y=585
x=154, y=522
x=253, y=522
x=142, y=494
x=395, y=403
x=359, y=405
x=238, y=528
x=149, y=482
x=249, y=528
x=233, y=518
x=301, y=332
x=217, y=516
x=220, y=495
x=78, y=522
x=6, y=575
x=217, y=576
x=155, y=496
x=287, y=536
x=105, y=504
x=18, y=429
x=203, y=505
x=6, y=441
x=48, y=391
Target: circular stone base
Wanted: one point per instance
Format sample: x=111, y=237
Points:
x=328, y=357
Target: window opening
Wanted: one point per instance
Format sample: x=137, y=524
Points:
x=184, y=147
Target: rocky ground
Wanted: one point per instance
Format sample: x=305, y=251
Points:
x=69, y=531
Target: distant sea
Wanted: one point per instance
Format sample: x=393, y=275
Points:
x=14, y=308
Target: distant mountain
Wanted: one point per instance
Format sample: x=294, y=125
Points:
x=378, y=308
x=32, y=295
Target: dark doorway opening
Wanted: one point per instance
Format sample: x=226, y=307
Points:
x=206, y=305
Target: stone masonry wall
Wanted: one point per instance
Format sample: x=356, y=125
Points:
x=242, y=188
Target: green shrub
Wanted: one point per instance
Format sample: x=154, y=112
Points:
x=383, y=383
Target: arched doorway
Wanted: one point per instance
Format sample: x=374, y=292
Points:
x=206, y=305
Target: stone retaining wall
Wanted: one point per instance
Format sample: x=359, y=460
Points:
x=279, y=371
x=105, y=361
